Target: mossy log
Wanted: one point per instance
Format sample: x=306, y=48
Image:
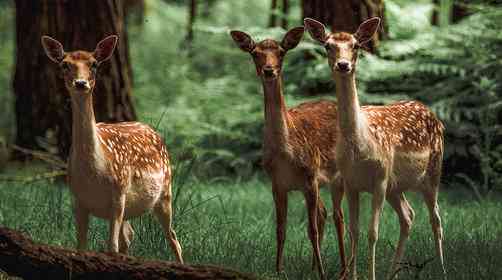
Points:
x=20, y=256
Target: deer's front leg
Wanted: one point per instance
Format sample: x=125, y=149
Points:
x=281, y=212
x=377, y=206
x=116, y=219
x=337, y=193
x=82, y=225
x=353, y=201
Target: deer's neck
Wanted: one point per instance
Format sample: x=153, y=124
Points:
x=351, y=121
x=85, y=143
x=276, y=129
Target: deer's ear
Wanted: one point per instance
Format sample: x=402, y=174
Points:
x=367, y=29
x=104, y=49
x=53, y=49
x=243, y=40
x=316, y=30
x=292, y=38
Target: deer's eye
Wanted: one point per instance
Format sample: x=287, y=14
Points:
x=66, y=66
x=329, y=47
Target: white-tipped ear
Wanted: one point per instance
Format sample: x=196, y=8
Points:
x=104, y=49
x=53, y=49
x=316, y=30
x=367, y=29
x=243, y=40
x=292, y=38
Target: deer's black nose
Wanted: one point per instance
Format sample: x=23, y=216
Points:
x=81, y=84
x=343, y=66
x=268, y=71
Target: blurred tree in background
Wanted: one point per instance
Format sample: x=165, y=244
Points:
x=275, y=13
x=135, y=9
x=346, y=15
x=42, y=108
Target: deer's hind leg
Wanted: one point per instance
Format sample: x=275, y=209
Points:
x=321, y=222
x=164, y=213
x=125, y=237
x=312, y=202
x=430, y=198
x=430, y=194
x=406, y=215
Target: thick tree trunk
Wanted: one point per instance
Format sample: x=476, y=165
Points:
x=42, y=103
x=21, y=257
x=346, y=15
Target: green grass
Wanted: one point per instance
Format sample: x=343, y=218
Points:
x=232, y=224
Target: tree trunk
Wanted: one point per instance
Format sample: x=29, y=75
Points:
x=207, y=8
x=346, y=15
x=283, y=17
x=285, y=14
x=273, y=16
x=453, y=13
x=21, y=257
x=192, y=15
x=42, y=103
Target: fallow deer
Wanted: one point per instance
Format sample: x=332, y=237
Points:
x=298, y=145
x=383, y=150
x=116, y=171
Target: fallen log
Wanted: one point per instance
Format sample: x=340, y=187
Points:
x=20, y=256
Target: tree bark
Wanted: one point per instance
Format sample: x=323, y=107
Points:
x=19, y=256
x=346, y=15
x=42, y=104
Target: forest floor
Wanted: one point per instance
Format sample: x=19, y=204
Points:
x=232, y=224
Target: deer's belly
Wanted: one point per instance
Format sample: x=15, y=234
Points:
x=143, y=194
x=410, y=170
x=365, y=176
x=284, y=173
x=95, y=194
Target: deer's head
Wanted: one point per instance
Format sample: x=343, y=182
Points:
x=268, y=54
x=341, y=47
x=79, y=68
